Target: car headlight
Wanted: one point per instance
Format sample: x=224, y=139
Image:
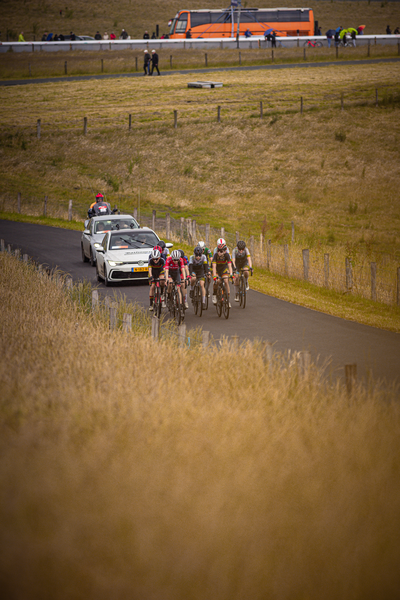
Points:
x=113, y=263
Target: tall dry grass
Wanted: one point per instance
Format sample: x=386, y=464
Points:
x=135, y=470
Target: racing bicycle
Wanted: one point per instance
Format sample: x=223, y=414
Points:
x=157, y=301
x=312, y=44
x=242, y=290
x=222, y=305
x=174, y=305
x=197, y=299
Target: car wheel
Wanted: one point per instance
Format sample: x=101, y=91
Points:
x=92, y=260
x=84, y=257
x=107, y=282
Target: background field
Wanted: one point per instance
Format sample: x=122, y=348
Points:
x=86, y=17
x=206, y=475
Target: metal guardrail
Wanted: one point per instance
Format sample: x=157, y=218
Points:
x=192, y=44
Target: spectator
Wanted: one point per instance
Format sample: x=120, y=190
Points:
x=298, y=33
x=273, y=39
x=44, y=36
x=388, y=30
x=124, y=35
x=97, y=36
x=153, y=37
x=162, y=37
x=353, y=37
x=146, y=35
x=154, y=62
x=337, y=38
x=61, y=38
x=396, y=31
x=319, y=31
x=146, y=64
x=112, y=36
x=72, y=36
x=21, y=37
x=360, y=30
x=344, y=40
x=189, y=34
x=56, y=38
x=106, y=36
x=247, y=33
x=329, y=37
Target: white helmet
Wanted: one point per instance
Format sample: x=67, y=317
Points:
x=221, y=242
x=155, y=253
x=175, y=255
x=201, y=244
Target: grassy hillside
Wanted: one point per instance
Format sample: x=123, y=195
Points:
x=203, y=475
x=86, y=17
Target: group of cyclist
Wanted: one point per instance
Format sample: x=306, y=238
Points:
x=203, y=266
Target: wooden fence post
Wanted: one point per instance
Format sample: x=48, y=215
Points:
x=207, y=240
x=84, y=125
x=261, y=110
x=223, y=232
x=342, y=101
x=206, y=59
x=219, y=114
x=175, y=119
x=269, y=248
x=373, y=281
x=113, y=316
x=45, y=207
x=304, y=53
x=286, y=258
x=155, y=328
x=70, y=210
x=65, y=68
x=38, y=127
x=107, y=302
x=182, y=334
x=194, y=241
x=189, y=230
x=68, y=282
x=135, y=213
x=267, y=355
x=301, y=105
x=240, y=58
x=292, y=232
x=170, y=61
x=205, y=339
x=181, y=232
x=167, y=226
x=95, y=300
x=305, y=363
x=272, y=55
x=261, y=243
x=376, y=97
x=136, y=61
x=369, y=46
x=19, y=202
x=2, y=245
x=130, y=122
x=102, y=65
x=326, y=270
x=351, y=377
x=349, y=275
x=127, y=323
x=153, y=220
x=252, y=247
x=337, y=51
x=306, y=263
x=25, y=258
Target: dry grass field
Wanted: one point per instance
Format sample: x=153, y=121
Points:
x=176, y=474
x=86, y=17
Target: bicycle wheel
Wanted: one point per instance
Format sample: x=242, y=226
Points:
x=219, y=301
x=225, y=306
x=318, y=44
x=171, y=304
x=207, y=284
x=242, y=292
x=157, y=302
x=178, y=310
x=199, y=300
x=195, y=300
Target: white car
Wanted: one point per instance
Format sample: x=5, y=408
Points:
x=97, y=227
x=124, y=255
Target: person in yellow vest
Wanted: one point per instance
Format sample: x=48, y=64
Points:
x=21, y=37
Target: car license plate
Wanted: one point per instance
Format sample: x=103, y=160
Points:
x=136, y=269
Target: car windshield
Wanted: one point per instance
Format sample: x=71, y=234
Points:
x=114, y=224
x=133, y=239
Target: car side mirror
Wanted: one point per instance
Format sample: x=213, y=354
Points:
x=87, y=231
x=169, y=245
x=100, y=249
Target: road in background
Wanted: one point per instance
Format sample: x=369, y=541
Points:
x=286, y=325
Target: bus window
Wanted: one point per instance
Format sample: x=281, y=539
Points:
x=182, y=23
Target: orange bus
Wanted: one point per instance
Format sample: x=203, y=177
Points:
x=259, y=21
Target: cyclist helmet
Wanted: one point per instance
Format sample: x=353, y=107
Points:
x=158, y=248
x=201, y=245
x=175, y=254
x=155, y=253
x=198, y=252
x=161, y=243
x=241, y=245
x=181, y=253
x=221, y=242
x=99, y=197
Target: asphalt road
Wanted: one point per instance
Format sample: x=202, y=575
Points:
x=286, y=325
x=193, y=72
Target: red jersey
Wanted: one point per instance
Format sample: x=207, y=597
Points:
x=173, y=266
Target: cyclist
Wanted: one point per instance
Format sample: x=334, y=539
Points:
x=156, y=271
x=175, y=271
x=198, y=269
x=221, y=241
x=222, y=268
x=208, y=254
x=241, y=259
x=164, y=249
x=100, y=207
x=186, y=279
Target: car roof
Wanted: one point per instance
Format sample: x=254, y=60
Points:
x=111, y=217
